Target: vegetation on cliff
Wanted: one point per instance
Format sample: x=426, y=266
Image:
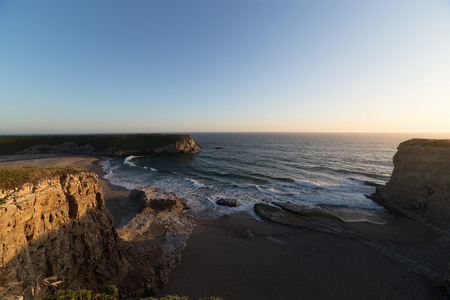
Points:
x=15, y=176
x=111, y=293
x=11, y=144
x=427, y=142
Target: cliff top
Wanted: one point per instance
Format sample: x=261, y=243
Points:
x=427, y=143
x=11, y=144
x=16, y=176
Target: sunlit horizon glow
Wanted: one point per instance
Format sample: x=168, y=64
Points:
x=224, y=66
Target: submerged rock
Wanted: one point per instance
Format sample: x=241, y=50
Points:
x=366, y=182
x=341, y=213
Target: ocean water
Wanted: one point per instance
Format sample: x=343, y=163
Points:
x=302, y=168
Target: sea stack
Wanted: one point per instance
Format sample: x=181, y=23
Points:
x=421, y=179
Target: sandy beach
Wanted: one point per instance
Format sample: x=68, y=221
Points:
x=239, y=257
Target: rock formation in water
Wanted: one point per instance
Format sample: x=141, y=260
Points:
x=60, y=227
x=227, y=202
x=421, y=179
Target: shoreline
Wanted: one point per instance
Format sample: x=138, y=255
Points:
x=113, y=195
x=237, y=256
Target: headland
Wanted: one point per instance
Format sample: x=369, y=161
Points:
x=98, y=144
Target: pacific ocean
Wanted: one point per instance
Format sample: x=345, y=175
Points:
x=302, y=168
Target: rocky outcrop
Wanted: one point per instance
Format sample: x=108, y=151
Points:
x=155, y=239
x=185, y=145
x=420, y=180
x=60, y=227
x=154, y=199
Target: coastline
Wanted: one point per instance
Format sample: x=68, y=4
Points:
x=237, y=256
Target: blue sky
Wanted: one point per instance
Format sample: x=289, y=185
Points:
x=190, y=66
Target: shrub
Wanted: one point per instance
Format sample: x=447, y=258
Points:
x=111, y=293
x=169, y=297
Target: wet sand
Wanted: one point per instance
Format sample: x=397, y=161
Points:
x=238, y=257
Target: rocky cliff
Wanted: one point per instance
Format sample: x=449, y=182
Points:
x=421, y=179
x=184, y=145
x=60, y=227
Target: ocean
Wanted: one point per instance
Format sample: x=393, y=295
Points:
x=302, y=168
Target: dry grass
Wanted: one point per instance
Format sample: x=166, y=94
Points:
x=15, y=176
x=428, y=142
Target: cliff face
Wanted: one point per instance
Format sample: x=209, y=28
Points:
x=421, y=178
x=59, y=226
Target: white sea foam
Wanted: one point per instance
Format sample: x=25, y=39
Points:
x=248, y=186
x=308, y=184
x=128, y=161
x=196, y=183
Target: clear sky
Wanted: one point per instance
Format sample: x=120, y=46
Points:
x=222, y=65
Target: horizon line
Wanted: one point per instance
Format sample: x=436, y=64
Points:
x=194, y=132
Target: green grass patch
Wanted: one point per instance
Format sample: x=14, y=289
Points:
x=15, y=176
x=11, y=144
x=110, y=293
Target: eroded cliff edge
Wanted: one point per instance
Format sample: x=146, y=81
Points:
x=420, y=181
x=59, y=226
